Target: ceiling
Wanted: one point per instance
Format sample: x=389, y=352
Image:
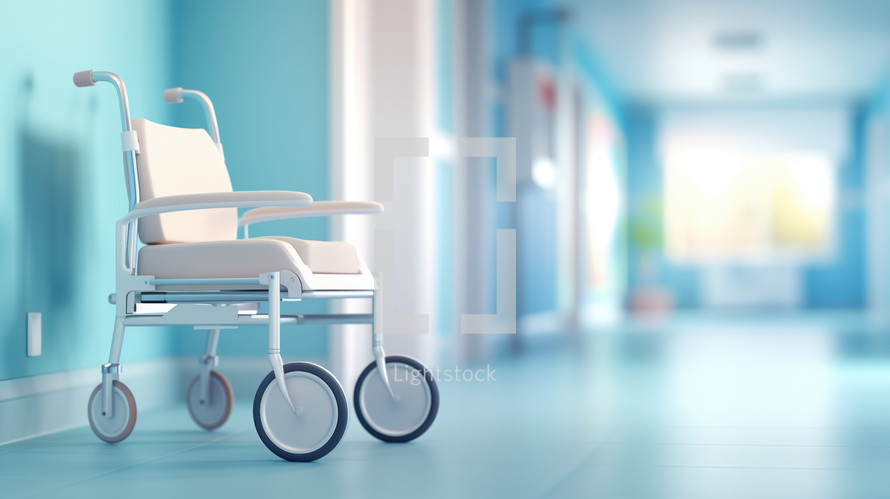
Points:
x=669, y=51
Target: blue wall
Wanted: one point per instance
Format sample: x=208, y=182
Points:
x=61, y=181
x=265, y=66
x=877, y=107
x=841, y=282
x=562, y=48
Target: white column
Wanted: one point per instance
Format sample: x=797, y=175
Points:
x=382, y=85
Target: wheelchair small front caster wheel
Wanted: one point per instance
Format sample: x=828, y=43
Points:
x=212, y=413
x=320, y=421
x=410, y=413
x=120, y=423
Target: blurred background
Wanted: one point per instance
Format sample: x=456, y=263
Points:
x=701, y=216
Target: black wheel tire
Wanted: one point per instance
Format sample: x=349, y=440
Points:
x=342, y=412
x=434, y=403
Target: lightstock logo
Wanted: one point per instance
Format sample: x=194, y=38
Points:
x=503, y=150
x=445, y=375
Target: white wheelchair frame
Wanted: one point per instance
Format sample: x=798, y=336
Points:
x=212, y=304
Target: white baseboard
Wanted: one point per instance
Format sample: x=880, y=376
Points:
x=48, y=403
x=37, y=405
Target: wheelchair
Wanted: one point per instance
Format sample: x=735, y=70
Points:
x=193, y=270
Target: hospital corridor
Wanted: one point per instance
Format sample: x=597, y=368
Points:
x=445, y=248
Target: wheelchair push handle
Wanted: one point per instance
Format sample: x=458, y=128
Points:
x=178, y=94
x=84, y=78
x=173, y=95
x=89, y=78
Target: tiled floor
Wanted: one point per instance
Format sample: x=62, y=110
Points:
x=699, y=408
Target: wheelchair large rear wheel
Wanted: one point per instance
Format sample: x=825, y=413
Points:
x=412, y=411
x=319, y=422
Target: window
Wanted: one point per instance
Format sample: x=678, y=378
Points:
x=728, y=205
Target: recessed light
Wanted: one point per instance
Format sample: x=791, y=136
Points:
x=738, y=40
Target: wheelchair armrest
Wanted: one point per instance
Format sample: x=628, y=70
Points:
x=202, y=201
x=316, y=209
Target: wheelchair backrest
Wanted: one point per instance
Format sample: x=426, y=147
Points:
x=174, y=161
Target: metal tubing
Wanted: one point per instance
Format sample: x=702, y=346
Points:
x=209, y=113
x=275, y=337
x=274, y=314
x=130, y=173
x=222, y=297
x=121, y=92
x=117, y=341
x=107, y=405
x=333, y=318
x=255, y=320
x=380, y=359
x=242, y=296
x=212, y=342
x=309, y=319
x=111, y=370
x=205, y=381
x=110, y=373
x=377, y=336
x=132, y=232
x=332, y=295
x=189, y=282
x=208, y=361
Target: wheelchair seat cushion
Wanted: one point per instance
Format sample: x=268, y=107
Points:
x=324, y=257
x=246, y=258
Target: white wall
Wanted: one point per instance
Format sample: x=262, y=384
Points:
x=382, y=86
